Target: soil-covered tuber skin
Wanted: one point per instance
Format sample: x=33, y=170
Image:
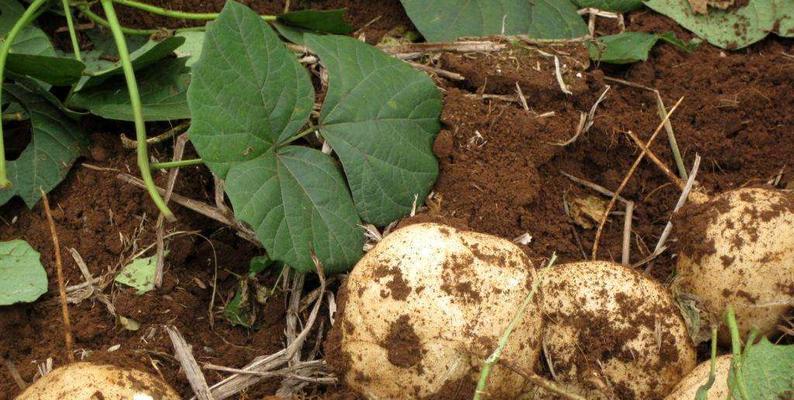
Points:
x=423, y=309
x=688, y=387
x=612, y=333
x=88, y=381
x=738, y=248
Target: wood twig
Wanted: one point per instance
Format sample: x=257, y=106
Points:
x=192, y=370
x=594, y=254
x=67, y=324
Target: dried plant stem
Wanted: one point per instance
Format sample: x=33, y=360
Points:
x=132, y=144
x=541, y=381
x=192, y=370
x=179, y=150
x=12, y=370
x=599, y=232
x=67, y=324
x=659, y=163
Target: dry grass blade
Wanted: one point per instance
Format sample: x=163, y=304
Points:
x=659, y=163
x=179, y=150
x=626, y=254
x=189, y=365
x=599, y=232
x=67, y=324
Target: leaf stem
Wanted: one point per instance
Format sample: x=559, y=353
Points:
x=517, y=317
x=130, y=31
x=298, y=136
x=137, y=111
x=72, y=32
x=736, y=349
x=175, y=13
x=23, y=21
x=177, y=164
x=703, y=390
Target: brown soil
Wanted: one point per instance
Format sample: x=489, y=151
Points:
x=737, y=114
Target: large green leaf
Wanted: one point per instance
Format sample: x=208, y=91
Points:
x=248, y=92
x=194, y=41
x=32, y=54
x=23, y=276
x=610, y=5
x=297, y=203
x=381, y=117
x=445, y=20
x=785, y=18
x=730, y=29
x=249, y=97
x=163, y=89
x=148, y=54
x=55, y=144
x=766, y=371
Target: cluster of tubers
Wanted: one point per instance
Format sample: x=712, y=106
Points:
x=425, y=307
x=422, y=310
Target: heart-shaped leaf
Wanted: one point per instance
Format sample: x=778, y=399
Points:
x=55, y=144
x=248, y=92
x=249, y=97
x=734, y=28
x=163, y=90
x=386, y=145
x=445, y=20
x=24, y=278
x=297, y=203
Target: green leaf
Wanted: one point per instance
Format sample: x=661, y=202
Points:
x=297, y=203
x=59, y=71
x=248, y=91
x=238, y=309
x=729, y=29
x=446, y=20
x=610, y=5
x=55, y=144
x=249, y=97
x=290, y=33
x=139, y=274
x=23, y=276
x=629, y=47
x=766, y=370
x=321, y=21
x=259, y=264
x=146, y=55
x=381, y=117
x=194, y=40
x=163, y=90
x=785, y=18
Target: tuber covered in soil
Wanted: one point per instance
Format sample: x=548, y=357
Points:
x=423, y=309
x=738, y=248
x=612, y=333
x=88, y=381
x=688, y=387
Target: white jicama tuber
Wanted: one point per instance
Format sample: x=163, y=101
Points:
x=738, y=248
x=688, y=387
x=423, y=309
x=612, y=333
x=89, y=381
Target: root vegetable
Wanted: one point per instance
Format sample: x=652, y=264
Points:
x=688, y=387
x=420, y=312
x=612, y=333
x=738, y=248
x=88, y=381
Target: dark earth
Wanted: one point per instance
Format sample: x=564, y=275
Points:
x=500, y=174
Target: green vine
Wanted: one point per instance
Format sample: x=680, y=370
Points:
x=137, y=111
x=67, y=12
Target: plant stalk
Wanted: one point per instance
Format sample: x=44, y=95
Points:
x=137, y=111
x=736, y=349
x=130, y=31
x=517, y=318
x=177, y=164
x=72, y=32
x=175, y=13
x=23, y=21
